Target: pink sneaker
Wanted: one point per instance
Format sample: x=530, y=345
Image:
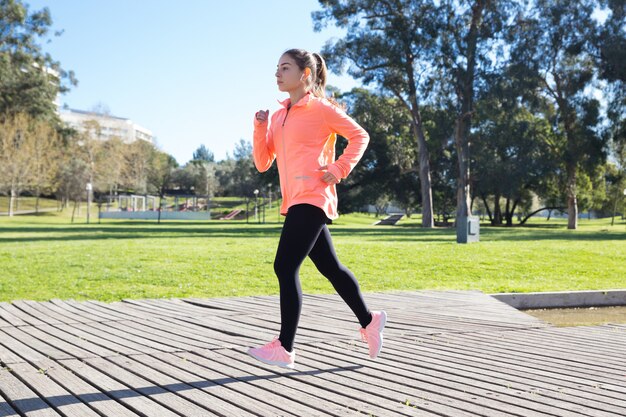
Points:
x=373, y=333
x=274, y=353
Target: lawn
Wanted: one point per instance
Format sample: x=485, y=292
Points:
x=44, y=257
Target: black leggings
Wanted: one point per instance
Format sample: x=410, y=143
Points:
x=305, y=233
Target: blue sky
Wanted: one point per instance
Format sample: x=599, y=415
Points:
x=194, y=72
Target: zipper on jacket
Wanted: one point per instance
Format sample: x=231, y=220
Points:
x=282, y=132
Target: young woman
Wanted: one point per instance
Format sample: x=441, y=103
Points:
x=301, y=137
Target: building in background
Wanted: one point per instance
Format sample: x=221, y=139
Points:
x=109, y=126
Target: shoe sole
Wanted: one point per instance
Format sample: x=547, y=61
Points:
x=383, y=321
x=268, y=362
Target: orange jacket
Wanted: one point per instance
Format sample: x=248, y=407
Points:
x=302, y=140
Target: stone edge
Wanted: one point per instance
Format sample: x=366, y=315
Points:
x=563, y=299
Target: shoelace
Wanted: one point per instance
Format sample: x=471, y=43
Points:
x=273, y=344
x=363, y=334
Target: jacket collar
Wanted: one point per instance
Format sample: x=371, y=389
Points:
x=302, y=102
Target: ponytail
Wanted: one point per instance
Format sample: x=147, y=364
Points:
x=319, y=82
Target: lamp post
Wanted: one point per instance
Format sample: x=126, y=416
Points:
x=269, y=187
x=256, y=204
x=88, y=188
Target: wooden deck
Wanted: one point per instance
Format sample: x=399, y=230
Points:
x=446, y=354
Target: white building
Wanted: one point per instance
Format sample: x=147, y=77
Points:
x=109, y=126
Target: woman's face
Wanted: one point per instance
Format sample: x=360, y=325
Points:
x=288, y=76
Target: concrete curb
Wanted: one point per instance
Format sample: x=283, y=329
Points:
x=563, y=299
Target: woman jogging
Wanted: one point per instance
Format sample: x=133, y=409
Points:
x=301, y=137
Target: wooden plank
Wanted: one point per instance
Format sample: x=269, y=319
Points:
x=555, y=354
x=131, y=398
x=528, y=364
x=94, y=311
x=519, y=392
x=403, y=381
x=455, y=359
x=110, y=331
x=98, y=338
x=266, y=394
x=327, y=382
x=144, y=365
x=221, y=396
x=336, y=404
x=191, y=325
x=65, y=315
x=162, y=330
x=22, y=398
x=117, y=311
x=260, y=402
x=46, y=310
x=41, y=347
x=15, y=316
x=87, y=393
x=19, y=348
x=49, y=333
x=149, y=389
x=62, y=345
x=300, y=403
x=6, y=410
x=34, y=313
x=151, y=337
x=178, y=307
x=7, y=356
x=62, y=401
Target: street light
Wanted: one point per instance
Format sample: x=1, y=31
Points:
x=269, y=187
x=88, y=188
x=256, y=204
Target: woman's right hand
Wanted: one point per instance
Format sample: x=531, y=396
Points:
x=261, y=116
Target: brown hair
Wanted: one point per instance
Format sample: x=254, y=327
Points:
x=316, y=63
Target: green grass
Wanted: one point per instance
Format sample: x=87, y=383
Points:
x=44, y=257
x=26, y=203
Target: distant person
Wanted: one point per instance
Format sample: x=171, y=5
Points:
x=301, y=137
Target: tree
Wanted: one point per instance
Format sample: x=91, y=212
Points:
x=16, y=149
x=30, y=80
x=110, y=165
x=245, y=176
x=511, y=143
x=203, y=154
x=555, y=42
x=45, y=156
x=137, y=168
x=161, y=174
x=389, y=44
x=386, y=170
x=471, y=33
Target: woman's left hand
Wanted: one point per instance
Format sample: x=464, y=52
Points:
x=328, y=177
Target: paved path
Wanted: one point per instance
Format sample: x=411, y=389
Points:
x=446, y=354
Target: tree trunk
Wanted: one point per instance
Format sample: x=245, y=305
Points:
x=465, y=93
x=11, y=201
x=497, y=211
x=487, y=208
x=572, y=203
x=462, y=188
x=428, y=219
x=425, y=185
x=424, y=174
x=37, y=192
x=550, y=209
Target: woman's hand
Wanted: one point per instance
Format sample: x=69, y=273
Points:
x=261, y=116
x=328, y=177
